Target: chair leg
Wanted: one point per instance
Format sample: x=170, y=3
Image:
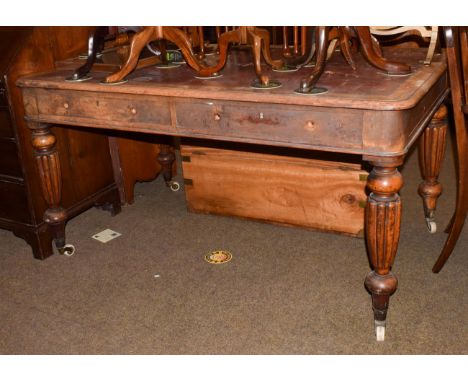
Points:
x=431, y=154
x=95, y=46
x=223, y=44
x=461, y=134
x=374, y=58
x=139, y=41
x=459, y=218
x=321, y=46
x=265, y=36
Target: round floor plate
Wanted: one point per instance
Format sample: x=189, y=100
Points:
x=169, y=65
x=271, y=85
x=84, y=56
x=114, y=83
x=395, y=74
x=82, y=79
x=286, y=69
x=218, y=257
x=214, y=75
x=314, y=91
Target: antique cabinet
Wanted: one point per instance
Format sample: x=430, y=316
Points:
x=84, y=155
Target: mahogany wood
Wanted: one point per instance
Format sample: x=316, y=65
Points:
x=95, y=46
x=135, y=161
x=457, y=56
x=369, y=49
x=82, y=154
x=377, y=117
x=431, y=154
x=258, y=38
x=383, y=217
x=287, y=187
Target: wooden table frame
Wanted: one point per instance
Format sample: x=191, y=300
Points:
x=365, y=112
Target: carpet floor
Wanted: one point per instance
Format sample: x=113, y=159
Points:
x=286, y=290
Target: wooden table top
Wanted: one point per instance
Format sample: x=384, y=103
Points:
x=364, y=88
x=364, y=111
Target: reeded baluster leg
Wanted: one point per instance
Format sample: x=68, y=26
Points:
x=431, y=154
x=48, y=165
x=166, y=158
x=383, y=213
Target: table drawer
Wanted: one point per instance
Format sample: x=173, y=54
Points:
x=6, y=127
x=108, y=108
x=276, y=123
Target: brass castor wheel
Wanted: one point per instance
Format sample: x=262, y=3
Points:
x=173, y=185
x=431, y=226
x=67, y=250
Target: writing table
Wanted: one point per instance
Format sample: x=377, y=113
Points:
x=364, y=112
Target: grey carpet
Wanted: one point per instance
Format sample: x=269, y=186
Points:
x=286, y=291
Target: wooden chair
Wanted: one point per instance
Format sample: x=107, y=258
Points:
x=399, y=32
x=104, y=39
x=456, y=39
x=257, y=38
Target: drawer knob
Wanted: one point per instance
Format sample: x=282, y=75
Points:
x=133, y=111
x=310, y=125
x=217, y=117
x=261, y=116
x=66, y=105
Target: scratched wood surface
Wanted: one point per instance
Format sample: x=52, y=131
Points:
x=365, y=87
x=312, y=193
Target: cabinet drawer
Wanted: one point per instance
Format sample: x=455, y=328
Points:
x=6, y=127
x=110, y=109
x=14, y=202
x=298, y=125
x=9, y=161
x=3, y=96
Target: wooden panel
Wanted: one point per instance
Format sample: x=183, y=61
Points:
x=138, y=162
x=3, y=98
x=84, y=157
x=86, y=164
x=317, y=194
x=9, y=162
x=69, y=41
x=298, y=125
x=17, y=207
x=6, y=128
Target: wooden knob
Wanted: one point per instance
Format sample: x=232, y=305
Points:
x=66, y=105
x=310, y=125
x=133, y=111
x=261, y=116
x=217, y=117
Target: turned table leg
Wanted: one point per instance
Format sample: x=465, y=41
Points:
x=431, y=154
x=166, y=158
x=383, y=214
x=48, y=165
